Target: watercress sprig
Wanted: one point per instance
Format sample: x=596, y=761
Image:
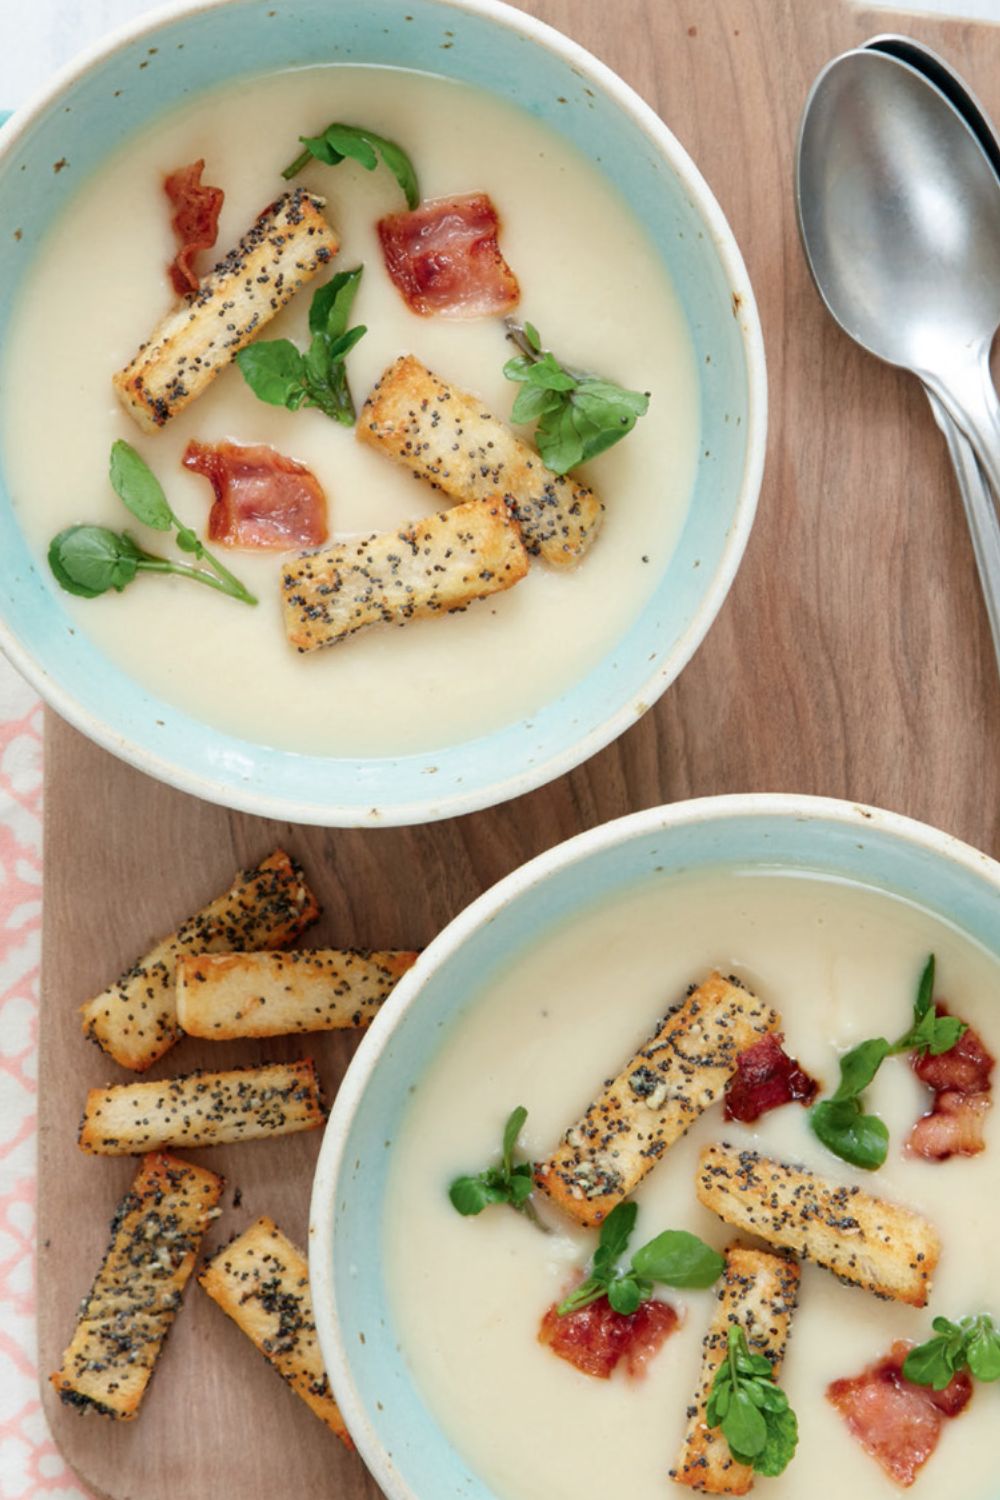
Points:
x=578, y=414
x=506, y=1182
x=841, y=1121
x=89, y=560
x=971, y=1344
x=674, y=1258
x=280, y=374
x=752, y=1410
x=338, y=142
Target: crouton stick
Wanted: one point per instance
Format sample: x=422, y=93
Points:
x=430, y=567
x=447, y=436
x=203, y=1109
x=261, y=1281
x=136, y=1295
x=661, y=1091
x=283, y=250
x=135, y=1019
x=224, y=996
x=758, y=1294
x=876, y=1245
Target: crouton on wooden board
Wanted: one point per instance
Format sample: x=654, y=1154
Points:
x=225, y=996
x=261, y=1280
x=135, y=1019
x=124, y=1319
x=203, y=1109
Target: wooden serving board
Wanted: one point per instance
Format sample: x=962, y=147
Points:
x=851, y=659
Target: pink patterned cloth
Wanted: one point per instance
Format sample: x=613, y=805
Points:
x=30, y=1464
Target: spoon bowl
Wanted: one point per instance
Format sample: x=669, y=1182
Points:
x=899, y=212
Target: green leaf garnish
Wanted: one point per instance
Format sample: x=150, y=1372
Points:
x=752, y=1410
x=930, y=1032
x=971, y=1344
x=280, y=374
x=579, y=415
x=90, y=560
x=508, y=1182
x=135, y=484
x=841, y=1122
x=338, y=142
x=674, y=1258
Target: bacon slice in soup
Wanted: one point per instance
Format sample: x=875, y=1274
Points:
x=195, y=221
x=445, y=259
x=596, y=1339
x=262, y=499
x=766, y=1078
x=961, y=1082
x=897, y=1422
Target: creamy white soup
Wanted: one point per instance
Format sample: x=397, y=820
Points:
x=840, y=963
x=590, y=280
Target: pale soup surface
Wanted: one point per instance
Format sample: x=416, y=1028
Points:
x=590, y=279
x=841, y=964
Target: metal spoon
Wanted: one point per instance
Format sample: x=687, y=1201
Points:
x=908, y=264
x=900, y=217
x=980, y=510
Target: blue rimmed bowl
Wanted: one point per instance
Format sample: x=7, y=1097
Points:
x=399, y=1439
x=124, y=84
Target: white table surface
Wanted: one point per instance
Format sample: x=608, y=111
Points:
x=35, y=39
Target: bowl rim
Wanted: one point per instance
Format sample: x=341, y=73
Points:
x=480, y=913
x=214, y=786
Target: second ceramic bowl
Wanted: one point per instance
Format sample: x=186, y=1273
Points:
x=410, y=1456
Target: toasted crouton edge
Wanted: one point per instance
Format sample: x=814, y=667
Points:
x=135, y=1019
x=263, y=1260
x=434, y=566
x=759, y=1294
x=136, y=1294
x=448, y=437
x=658, y=1095
x=227, y=996
x=865, y=1241
x=203, y=1109
x=282, y=250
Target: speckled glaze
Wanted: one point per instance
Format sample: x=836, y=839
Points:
x=408, y=1454
x=47, y=149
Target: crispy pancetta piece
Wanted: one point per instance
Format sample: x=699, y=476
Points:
x=195, y=222
x=961, y=1083
x=897, y=1422
x=262, y=499
x=444, y=257
x=766, y=1078
x=597, y=1340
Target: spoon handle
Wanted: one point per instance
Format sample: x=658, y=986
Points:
x=980, y=512
x=966, y=391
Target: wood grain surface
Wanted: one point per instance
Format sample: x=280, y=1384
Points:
x=851, y=659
